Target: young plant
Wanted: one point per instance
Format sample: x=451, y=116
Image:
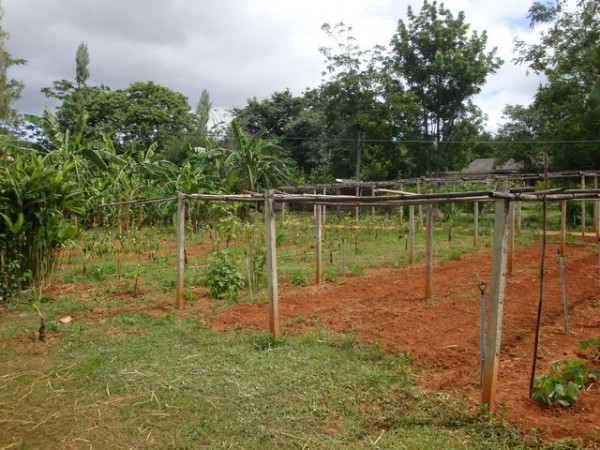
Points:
x=564, y=383
x=224, y=277
x=593, y=343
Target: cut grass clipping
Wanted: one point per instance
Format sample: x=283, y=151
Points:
x=140, y=381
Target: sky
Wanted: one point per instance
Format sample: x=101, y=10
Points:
x=236, y=49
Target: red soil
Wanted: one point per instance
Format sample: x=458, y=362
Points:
x=441, y=334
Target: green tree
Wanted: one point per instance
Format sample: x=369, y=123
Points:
x=443, y=67
x=293, y=122
x=568, y=55
x=10, y=89
x=357, y=121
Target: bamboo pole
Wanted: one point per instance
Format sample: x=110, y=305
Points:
x=476, y=224
x=271, y=250
x=429, y=254
x=318, y=242
x=411, y=235
x=496, y=307
x=180, y=247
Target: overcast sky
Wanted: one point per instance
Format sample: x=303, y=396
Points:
x=236, y=49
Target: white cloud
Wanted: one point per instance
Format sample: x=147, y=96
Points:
x=237, y=49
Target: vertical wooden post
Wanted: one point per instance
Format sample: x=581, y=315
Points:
x=496, y=307
x=596, y=211
x=372, y=195
x=324, y=218
x=563, y=227
x=180, y=247
x=271, y=249
x=511, y=238
x=583, y=209
x=357, y=209
x=318, y=245
x=429, y=254
x=411, y=235
x=519, y=217
x=402, y=207
x=421, y=222
x=476, y=224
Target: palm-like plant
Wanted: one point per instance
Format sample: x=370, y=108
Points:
x=256, y=163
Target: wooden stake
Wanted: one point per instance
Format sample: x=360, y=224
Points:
x=519, y=217
x=318, y=241
x=373, y=195
x=271, y=250
x=411, y=235
x=583, y=209
x=324, y=218
x=563, y=227
x=180, y=247
x=495, y=310
x=596, y=211
x=429, y=254
x=476, y=224
x=402, y=207
x=511, y=238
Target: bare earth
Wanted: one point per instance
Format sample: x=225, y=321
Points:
x=442, y=334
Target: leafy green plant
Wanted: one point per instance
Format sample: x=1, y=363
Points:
x=224, y=277
x=593, y=343
x=299, y=279
x=564, y=383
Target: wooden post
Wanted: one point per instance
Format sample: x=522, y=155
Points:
x=372, y=195
x=511, y=238
x=519, y=217
x=583, y=210
x=324, y=218
x=318, y=245
x=357, y=209
x=496, y=306
x=476, y=224
x=271, y=249
x=429, y=254
x=421, y=222
x=596, y=211
x=402, y=207
x=411, y=235
x=563, y=227
x=180, y=247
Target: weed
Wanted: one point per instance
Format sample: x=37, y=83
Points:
x=299, y=279
x=593, y=343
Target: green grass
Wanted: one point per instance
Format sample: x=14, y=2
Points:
x=139, y=381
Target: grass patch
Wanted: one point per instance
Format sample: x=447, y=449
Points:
x=139, y=381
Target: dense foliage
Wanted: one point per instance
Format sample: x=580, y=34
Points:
x=398, y=110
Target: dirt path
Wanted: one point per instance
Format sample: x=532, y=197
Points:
x=442, y=334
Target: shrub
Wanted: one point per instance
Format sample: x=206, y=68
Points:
x=224, y=277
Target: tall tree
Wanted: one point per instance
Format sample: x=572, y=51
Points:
x=443, y=67
x=76, y=94
x=568, y=55
x=203, y=109
x=10, y=89
x=294, y=122
x=350, y=97
x=82, y=61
